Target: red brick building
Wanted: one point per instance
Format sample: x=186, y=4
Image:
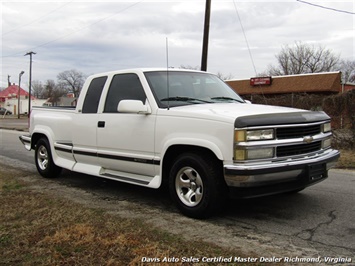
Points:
x=320, y=83
x=316, y=91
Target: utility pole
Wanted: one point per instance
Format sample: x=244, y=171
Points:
x=19, y=93
x=30, y=85
x=205, y=36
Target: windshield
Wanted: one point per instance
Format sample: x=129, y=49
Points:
x=189, y=88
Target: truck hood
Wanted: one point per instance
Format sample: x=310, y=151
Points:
x=246, y=114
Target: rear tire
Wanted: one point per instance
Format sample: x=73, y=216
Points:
x=44, y=160
x=196, y=185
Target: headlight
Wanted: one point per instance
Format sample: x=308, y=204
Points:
x=250, y=135
x=252, y=154
x=327, y=127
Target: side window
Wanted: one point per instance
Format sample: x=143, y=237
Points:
x=123, y=87
x=93, y=94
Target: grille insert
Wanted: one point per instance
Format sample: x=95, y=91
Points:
x=299, y=149
x=297, y=132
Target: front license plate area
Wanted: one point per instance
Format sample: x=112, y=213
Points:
x=317, y=172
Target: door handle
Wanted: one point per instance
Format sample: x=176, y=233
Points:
x=101, y=124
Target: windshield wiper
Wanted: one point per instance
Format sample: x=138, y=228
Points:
x=183, y=99
x=227, y=98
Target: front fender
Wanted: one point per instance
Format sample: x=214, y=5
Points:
x=202, y=143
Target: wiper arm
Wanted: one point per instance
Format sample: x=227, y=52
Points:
x=183, y=99
x=227, y=98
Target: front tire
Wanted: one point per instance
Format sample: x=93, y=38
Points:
x=196, y=185
x=44, y=160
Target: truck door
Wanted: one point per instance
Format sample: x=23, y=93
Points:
x=125, y=141
x=85, y=127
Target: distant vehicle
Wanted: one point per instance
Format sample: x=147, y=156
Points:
x=5, y=111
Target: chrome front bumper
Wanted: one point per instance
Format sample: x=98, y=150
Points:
x=302, y=172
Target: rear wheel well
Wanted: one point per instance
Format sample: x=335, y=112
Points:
x=35, y=138
x=174, y=151
x=44, y=159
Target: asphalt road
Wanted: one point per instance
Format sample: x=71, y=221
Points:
x=319, y=219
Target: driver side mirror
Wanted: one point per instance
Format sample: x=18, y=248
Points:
x=133, y=107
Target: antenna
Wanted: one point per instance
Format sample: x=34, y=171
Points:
x=167, y=70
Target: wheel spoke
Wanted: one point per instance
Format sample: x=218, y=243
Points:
x=198, y=194
x=189, y=196
x=198, y=181
x=191, y=174
x=183, y=183
x=44, y=164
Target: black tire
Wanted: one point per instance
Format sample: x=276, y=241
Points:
x=44, y=160
x=196, y=185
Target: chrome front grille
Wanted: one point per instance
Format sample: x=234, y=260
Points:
x=297, y=132
x=293, y=141
x=299, y=149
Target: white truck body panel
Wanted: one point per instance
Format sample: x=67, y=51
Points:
x=136, y=126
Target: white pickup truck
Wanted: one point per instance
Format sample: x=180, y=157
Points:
x=186, y=129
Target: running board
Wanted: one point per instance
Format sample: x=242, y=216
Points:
x=126, y=177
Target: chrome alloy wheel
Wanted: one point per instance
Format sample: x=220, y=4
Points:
x=42, y=157
x=189, y=186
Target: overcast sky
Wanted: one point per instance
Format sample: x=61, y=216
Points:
x=94, y=37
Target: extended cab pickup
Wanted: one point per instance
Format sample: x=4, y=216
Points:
x=186, y=129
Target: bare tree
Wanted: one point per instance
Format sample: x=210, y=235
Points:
x=347, y=68
x=37, y=89
x=53, y=92
x=303, y=58
x=223, y=76
x=71, y=81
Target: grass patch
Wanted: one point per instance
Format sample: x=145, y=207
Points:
x=11, y=186
x=347, y=159
x=41, y=229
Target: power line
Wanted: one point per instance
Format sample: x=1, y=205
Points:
x=249, y=50
x=324, y=7
x=245, y=37
x=36, y=20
